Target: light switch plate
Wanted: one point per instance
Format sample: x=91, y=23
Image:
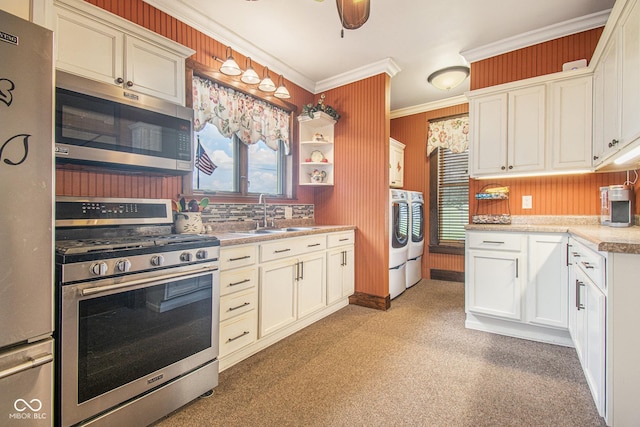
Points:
x=527, y=202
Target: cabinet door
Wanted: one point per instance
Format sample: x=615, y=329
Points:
x=571, y=115
x=349, y=272
x=526, y=130
x=494, y=284
x=88, y=48
x=335, y=261
x=630, y=35
x=396, y=167
x=153, y=70
x=594, y=351
x=606, y=103
x=277, y=295
x=488, y=118
x=547, y=290
x=311, y=284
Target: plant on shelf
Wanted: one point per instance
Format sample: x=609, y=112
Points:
x=309, y=109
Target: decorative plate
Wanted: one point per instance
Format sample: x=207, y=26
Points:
x=317, y=156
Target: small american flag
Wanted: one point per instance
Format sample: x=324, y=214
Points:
x=203, y=162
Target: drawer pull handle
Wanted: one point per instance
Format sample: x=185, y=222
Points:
x=343, y=240
x=239, y=306
x=576, y=254
x=240, y=282
x=493, y=242
x=315, y=244
x=579, y=304
x=238, y=259
x=282, y=250
x=587, y=265
x=239, y=336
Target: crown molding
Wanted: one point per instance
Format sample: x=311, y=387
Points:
x=429, y=106
x=572, y=26
x=386, y=65
x=180, y=9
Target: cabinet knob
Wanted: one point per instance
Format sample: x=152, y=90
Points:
x=595, y=157
x=613, y=142
x=502, y=168
x=119, y=80
x=129, y=83
x=510, y=167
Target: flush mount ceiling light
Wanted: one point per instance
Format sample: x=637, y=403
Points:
x=449, y=77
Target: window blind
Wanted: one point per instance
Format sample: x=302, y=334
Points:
x=453, y=195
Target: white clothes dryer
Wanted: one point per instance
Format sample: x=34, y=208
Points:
x=398, y=241
x=416, y=238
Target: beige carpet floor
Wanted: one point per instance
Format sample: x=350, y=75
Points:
x=413, y=365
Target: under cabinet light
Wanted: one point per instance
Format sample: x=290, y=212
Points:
x=628, y=156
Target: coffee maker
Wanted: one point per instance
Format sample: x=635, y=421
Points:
x=616, y=206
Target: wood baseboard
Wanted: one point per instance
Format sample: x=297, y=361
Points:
x=370, y=301
x=448, y=275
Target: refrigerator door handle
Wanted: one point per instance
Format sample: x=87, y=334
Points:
x=33, y=362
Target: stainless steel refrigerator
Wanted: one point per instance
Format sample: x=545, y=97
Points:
x=26, y=223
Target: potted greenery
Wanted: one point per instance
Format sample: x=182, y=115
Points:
x=309, y=109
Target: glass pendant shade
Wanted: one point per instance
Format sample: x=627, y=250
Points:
x=250, y=76
x=266, y=85
x=353, y=13
x=449, y=77
x=230, y=67
x=281, y=91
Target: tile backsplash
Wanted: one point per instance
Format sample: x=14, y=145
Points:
x=219, y=213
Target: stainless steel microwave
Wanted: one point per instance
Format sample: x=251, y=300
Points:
x=110, y=126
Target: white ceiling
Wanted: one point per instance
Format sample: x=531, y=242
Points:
x=301, y=38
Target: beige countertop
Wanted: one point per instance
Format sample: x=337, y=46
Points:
x=607, y=239
x=229, y=238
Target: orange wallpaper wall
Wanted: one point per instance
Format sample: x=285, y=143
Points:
x=412, y=131
x=359, y=195
x=91, y=182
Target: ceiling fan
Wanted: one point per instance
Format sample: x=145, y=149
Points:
x=353, y=13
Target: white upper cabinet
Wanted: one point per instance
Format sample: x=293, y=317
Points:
x=93, y=43
x=536, y=126
x=396, y=163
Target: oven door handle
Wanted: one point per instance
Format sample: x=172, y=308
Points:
x=129, y=284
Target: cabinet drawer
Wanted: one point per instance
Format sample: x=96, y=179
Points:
x=590, y=262
x=238, y=332
x=339, y=239
x=286, y=248
x=238, y=256
x=495, y=241
x=238, y=303
x=238, y=280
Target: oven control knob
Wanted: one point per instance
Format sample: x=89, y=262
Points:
x=202, y=254
x=99, y=268
x=186, y=257
x=123, y=265
x=157, y=260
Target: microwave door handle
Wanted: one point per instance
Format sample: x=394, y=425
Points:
x=33, y=362
x=131, y=283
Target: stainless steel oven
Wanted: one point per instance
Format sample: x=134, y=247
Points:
x=137, y=313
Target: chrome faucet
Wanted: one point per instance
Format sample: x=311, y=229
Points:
x=262, y=200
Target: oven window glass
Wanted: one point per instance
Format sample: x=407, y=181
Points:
x=128, y=335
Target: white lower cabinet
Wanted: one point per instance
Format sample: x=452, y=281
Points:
x=587, y=320
x=272, y=289
x=516, y=285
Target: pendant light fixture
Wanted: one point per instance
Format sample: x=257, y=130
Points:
x=281, y=91
x=266, y=85
x=353, y=13
x=230, y=67
x=449, y=77
x=249, y=75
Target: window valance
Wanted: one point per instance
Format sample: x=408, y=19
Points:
x=235, y=113
x=451, y=133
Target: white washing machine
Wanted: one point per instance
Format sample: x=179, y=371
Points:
x=416, y=237
x=398, y=241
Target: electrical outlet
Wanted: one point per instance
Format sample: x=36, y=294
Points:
x=527, y=202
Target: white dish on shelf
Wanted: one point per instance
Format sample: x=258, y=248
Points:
x=317, y=156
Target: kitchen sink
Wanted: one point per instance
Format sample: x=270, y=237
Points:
x=274, y=230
